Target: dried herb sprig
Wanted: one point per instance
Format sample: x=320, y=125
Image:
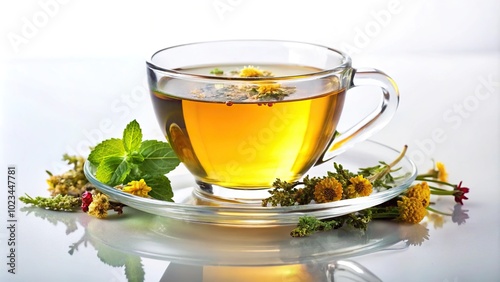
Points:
x=308, y=224
x=406, y=209
x=380, y=175
x=336, y=185
x=71, y=182
x=291, y=193
x=58, y=203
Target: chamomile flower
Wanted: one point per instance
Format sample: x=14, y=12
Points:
x=328, y=190
x=359, y=187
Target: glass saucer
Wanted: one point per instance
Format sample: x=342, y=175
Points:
x=189, y=207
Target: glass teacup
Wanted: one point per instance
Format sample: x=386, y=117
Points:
x=240, y=114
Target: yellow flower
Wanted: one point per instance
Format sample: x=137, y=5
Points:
x=422, y=192
x=442, y=174
x=328, y=190
x=411, y=210
x=138, y=188
x=251, y=71
x=359, y=187
x=99, y=206
x=266, y=89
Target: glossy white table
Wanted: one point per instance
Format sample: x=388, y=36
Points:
x=449, y=111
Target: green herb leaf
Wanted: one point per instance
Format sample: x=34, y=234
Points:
x=159, y=158
x=134, y=270
x=217, y=71
x=120, y=161
x=132, y=137
x=108, y=255
x=160, y=187
x=113, y=170
x=135, y=158
x=108, y=148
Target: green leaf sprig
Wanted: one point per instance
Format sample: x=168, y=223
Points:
x=123, y=160
x=309, y=224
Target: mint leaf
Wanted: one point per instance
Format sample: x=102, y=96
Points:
x=135, y=158
x=132, y=137
x=108, y=255
x=134, y=270
x=113, y=170
x=108, y=148
x=120, y=161
x=160, y=187
x=159, y=158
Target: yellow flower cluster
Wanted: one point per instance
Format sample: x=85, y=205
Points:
x=251, y=71
x=330, y=189
x=412, y=206
x=99, y=206
x=422, y=192
x=138, y=188
x=411, y=210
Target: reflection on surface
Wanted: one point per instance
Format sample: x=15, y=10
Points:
x=181, y=272
x=313, y=272
x=459, y=215
x=218, y=252
x=442, y=212
x=201, y=244
x=131, y=263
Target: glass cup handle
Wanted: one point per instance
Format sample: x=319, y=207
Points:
x=376, y=120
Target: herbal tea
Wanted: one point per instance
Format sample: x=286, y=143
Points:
x=245, y=135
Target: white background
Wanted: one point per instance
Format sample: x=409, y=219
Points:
x=71, y=28
x=416, y=42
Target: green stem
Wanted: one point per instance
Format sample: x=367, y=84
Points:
x=442, y=192
x=425, y=175
x=388, y=168
x=437, y=188
x=385, y=215
x=384, y=212
x=419, y=178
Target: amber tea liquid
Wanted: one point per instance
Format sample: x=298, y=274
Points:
x=248, y=144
